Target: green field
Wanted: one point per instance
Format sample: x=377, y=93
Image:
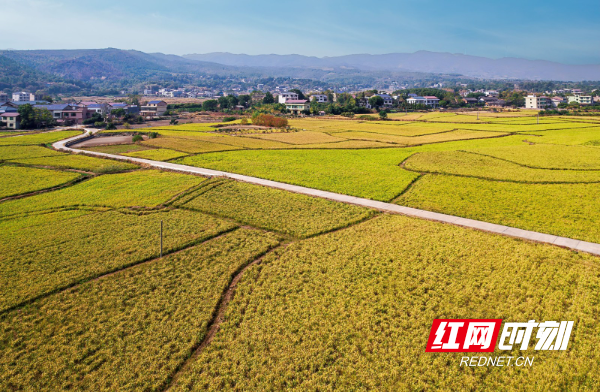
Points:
x=140, y=189
x=161, y=154
x=78, y=162
x=38, y=138
x=272, y=209
x=365, y=173
x=263, y=289
x=16, y=180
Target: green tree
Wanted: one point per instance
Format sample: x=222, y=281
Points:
x=223, y=103
x=383, y=115
x=43, y=118
x=27, y=116
x=118, y=112
x=244, y=100
x=376, y=101
x=232, y=101
x=210, y=105
x=268, y=98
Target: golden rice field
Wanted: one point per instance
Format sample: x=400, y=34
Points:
x=17, y=180
x=351, y=310
x=263, y=289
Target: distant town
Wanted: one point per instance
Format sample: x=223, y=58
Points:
x=28, y=110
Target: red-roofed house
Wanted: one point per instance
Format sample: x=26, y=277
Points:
x=432, y=101
x=297, y=106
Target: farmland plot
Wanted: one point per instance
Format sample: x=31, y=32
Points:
x=273, y=209
x=128, y=331
x=142, y=189
x=15, y=180
x=481, y=166
x=352, y=310
x=57, y=252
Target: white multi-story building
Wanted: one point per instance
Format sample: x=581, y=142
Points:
x=23, y=96
x=320, y=98
x=535, y=102
x=580, y=99
x=285, y=96
x=428, y=100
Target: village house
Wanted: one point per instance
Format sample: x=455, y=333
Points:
x=3, y=97
x=11, y=119
x=8, y=107
x=363, y=102
x=285, y=96
x=387, y=100
x=557, y=101
x=415, y=100
x=101, y=108
x=432, y=101
x=470, y=101
x=154, y=109
x=535, y=102
x=129, y=109
x=67, y=113
x=428, y=100
x=319, y=98
x=297, y=106
x=580, y=98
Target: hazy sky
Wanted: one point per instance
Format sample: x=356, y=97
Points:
x=564, y=31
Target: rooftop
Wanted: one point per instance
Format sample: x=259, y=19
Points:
x=54, y=107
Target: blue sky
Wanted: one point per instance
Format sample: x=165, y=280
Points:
x=563, y=31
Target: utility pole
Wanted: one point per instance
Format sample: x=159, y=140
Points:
x=161, y=238
x=538, y=118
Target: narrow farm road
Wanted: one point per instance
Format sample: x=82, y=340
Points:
x=588, y=247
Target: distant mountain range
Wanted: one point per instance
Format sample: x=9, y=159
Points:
x=102, y=69
x=107, y=70
x=422, y=61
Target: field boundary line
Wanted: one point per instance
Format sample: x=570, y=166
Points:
x=116, y=270
x=218, y=316
x=579, y=245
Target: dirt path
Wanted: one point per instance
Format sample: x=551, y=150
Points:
x=107, y=141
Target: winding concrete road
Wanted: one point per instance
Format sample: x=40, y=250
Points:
x=588, y=247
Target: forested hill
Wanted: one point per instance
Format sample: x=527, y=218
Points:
x=93, y=70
